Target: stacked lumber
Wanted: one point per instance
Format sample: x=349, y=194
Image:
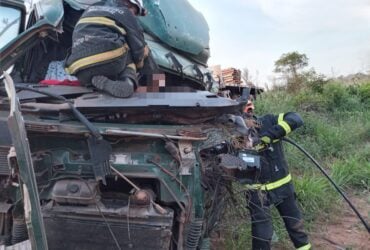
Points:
x=231, y=76
x=216, y=72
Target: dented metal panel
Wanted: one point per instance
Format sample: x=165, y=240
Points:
x=25, y=164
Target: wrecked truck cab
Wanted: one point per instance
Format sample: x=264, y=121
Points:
x=98, y=172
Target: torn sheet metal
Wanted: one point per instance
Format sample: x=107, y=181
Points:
x=18, y=133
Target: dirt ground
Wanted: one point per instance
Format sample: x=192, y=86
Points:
x=344, y=231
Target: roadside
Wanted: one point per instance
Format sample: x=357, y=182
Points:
x=344, y=230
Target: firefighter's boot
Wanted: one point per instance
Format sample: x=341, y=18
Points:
x=122, y=88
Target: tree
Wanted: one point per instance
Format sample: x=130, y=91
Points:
x=289, y=64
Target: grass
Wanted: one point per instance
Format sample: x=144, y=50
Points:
x=337, y=134
x=354, y=171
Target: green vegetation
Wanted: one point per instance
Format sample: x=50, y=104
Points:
x=336, y=133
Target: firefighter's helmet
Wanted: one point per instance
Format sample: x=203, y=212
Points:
x=139, y=5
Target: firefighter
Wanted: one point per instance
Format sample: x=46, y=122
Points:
x=272, y=185
x=249, y=108
x=109, y=47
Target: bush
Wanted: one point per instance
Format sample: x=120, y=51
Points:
x=364, y=92
x=354, y=171
x=274, y=102
x=315, y=195
x=336, y=96
x=309, y=101
x=314, y=81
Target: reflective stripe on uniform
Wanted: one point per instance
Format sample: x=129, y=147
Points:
x=97, y=58
x=102, y=20
x=266, y=139
x=305, y=247
x=146, y=51
x=284, y=124
x=132, y=66
x=140, y=64
x=271, y=185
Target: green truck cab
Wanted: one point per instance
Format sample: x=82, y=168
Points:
x=83, y=170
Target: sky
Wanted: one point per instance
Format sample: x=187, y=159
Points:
x=334, y=34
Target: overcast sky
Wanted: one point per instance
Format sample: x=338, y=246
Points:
x=334, y=34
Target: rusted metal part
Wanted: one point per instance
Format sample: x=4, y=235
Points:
x=180, y=239
x=189, y=205
x=74, y=192
x=187, y=157
x=142, y=197
x=5, y=222
x=160, y=209
x=43, y=107
x=4, y=166
x=41, y=128
x=76, y=129
x=125, y=178
x=170, y=191
x=135, y=225
x=153, y=135
x=173, y=150
x=192, y=133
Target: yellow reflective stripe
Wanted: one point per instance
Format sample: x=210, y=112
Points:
x=101, y=57
x=102, y=20
x=146, y=51
x=272, y=185
x=260, y=146
x=266, y=139
x=132, y=66
x=305, y=247
x=140, y=64
x=281, y=117
x=284, y=124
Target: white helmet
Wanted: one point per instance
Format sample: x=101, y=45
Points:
x=139, y=5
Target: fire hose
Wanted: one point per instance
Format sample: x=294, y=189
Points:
x=330, y=180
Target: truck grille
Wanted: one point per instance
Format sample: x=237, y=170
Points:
x=4, y=168
x=65, y=230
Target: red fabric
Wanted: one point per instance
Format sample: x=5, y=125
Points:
x=57, y=82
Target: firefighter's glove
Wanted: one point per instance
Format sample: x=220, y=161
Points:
x=265, y=139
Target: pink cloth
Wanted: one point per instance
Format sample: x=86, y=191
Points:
x=58, y=82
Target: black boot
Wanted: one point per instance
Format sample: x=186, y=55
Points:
x=121, y=88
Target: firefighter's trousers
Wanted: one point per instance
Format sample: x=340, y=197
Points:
x=259, y=203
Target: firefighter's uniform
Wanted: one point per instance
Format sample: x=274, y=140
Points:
x=273, y=186
x=108, y=41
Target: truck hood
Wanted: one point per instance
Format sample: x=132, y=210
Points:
x=166, y=107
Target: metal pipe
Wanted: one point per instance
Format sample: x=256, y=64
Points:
x=160, y=209
x=189, y=205
x=180, y=239
x=153, y=135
